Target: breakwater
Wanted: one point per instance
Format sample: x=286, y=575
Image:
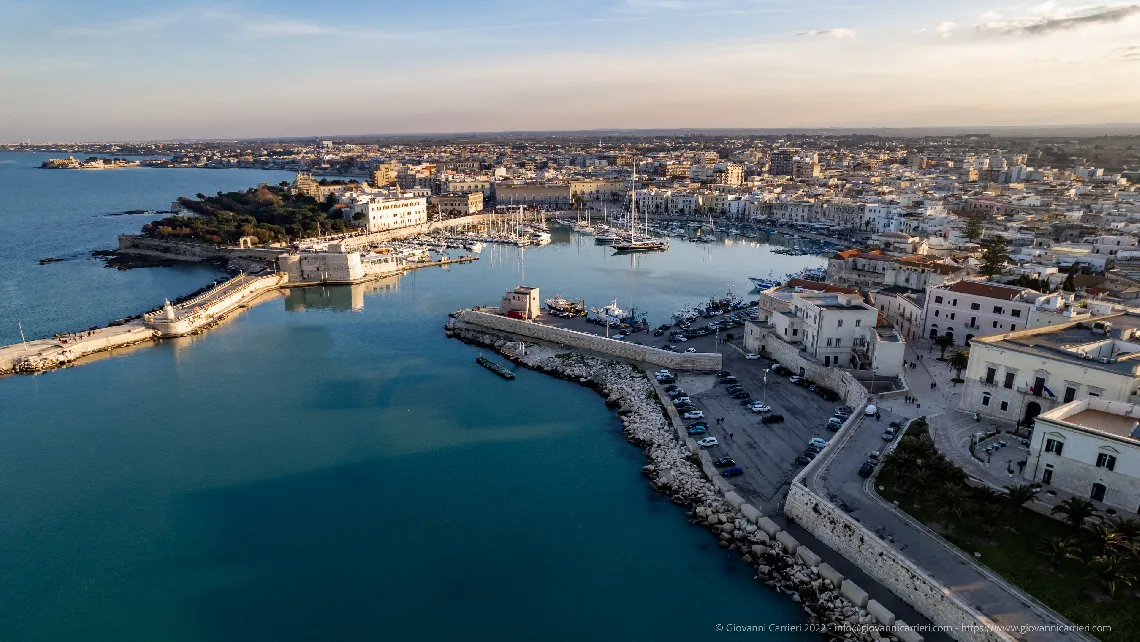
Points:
x=572, y=338
x=675, y=467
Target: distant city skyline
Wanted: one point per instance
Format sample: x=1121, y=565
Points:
x=133, y=70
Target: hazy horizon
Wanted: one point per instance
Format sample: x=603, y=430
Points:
x=254, y=69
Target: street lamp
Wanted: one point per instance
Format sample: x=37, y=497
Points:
x=766, y=370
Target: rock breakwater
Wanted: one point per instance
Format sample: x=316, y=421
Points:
x=674, y=470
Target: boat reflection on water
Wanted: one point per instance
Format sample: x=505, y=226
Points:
x=338, y=298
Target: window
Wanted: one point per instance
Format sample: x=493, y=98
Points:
x=986, y=399
x=951, y=316
x=973, y=322
x=1054, y=446
x=1015, y=313
x=954, y=302
x=990, y=374
x=1009, y=380
x=1047, y=476
x=975, y=306
x=841, y=323
x=1005, y=405
x=1012, y=327
x=936, y=312
x=938, y=299
x=1070, y=394
x=1098, y=492
x=829, y=343
x=1105, y=460
x=838, y=341
x=858, y=322
x=998, y=309
x=995, y=324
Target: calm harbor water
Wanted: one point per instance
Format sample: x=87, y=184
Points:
x=328, y=465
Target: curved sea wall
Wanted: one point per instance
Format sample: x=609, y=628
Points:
x=836, y=608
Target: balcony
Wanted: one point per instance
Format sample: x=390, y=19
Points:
x=987, y=383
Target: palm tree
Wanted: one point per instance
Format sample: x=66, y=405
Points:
x=1112, y=571
x=992, y=517
x=959, y=360
x=1059, y=549
x=1126, y=526
x=950, y=501
x=1018, y=496
x=1107, y=538
x=944, y=341
x=1076, y=510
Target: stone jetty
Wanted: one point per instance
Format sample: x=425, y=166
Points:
x=836, y=608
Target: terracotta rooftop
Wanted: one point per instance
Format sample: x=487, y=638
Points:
x=988, y=290
x=817, y=286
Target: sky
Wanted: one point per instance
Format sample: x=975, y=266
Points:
x=132, y=70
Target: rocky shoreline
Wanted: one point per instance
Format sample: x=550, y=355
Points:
x=675, y=471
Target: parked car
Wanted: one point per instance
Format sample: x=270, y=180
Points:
x=670, y=348
x=734, y=388
x=729, y=379
x=666, y=380
x=708, y=442
x=658, y=333
x=898, y=424
x=889, y=434
x=704, y=424
x=743, y=394
x=698, y=430
x=723, y=373
x=816, y=441
x=796, y=379
x=779, y=369
x=746, y=401
x=760, y=408
x=843, y=411
x=680, y=400
x=724, y=462
x=751, y=357
x=732, y=471
x=671, y=387
x=812, y=450
x=829, y=395
x=866, y=469
x=870, y=410
x=772, y=419
x=803, y=460
x=694, y=414
x=686, y=408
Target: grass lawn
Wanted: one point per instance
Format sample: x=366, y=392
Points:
x=1013, y=555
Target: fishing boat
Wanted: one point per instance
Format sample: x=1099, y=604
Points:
x=494, y=367
x=609, y=315
x=763, y=284
x=566, y=308
x=474, y=246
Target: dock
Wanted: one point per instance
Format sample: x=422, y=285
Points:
x=494, y=367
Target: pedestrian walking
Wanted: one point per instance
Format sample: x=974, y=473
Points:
x=932, y=385
x=731, y=435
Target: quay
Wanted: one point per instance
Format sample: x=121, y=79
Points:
x=203, y=310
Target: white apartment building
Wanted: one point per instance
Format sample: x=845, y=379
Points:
x=1015, y=376
x=464, y=185
x=682, y=204
x=652, y=201
x=383, y=212
x=902, y=308
x=969, y=309
x=1089, y=448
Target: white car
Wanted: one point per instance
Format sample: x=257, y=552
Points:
x=750, y=357
x=870, y=410
x=759, y=408
x=795, y=378
x=708, y=442
x=817, y=442
x=681, y=339
x=690, y=350
x=694, y=414
x=663, y=373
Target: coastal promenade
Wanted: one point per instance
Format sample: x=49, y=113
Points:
x=46, y=354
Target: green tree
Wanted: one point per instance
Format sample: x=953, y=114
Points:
x=1058, y=549
x=1018, y=496
x=1107, y=539
x=1076, y=510
x=995, y=254
x=959, y=360
x=1126, y=526
x=991, y=518
x=1112, y=571
x=943, y=342
x=973, y=226
x=950, y=500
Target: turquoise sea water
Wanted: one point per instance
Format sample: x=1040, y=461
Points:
x=328, y=466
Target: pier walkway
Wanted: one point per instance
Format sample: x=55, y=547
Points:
x=46, y=354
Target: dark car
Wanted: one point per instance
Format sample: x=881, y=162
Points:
x=658, y=333
x=733, y=471
x=722, y=374
x=670, y=348
x=675, y=392
x=802, y=460
x=698, y=430
x=667, y=379
x=810, y=454
x=779, y=369
x=741, y=395
x=866, y=469
x=829, y=395
x=804, y=383
x=688, y=407
x=729, y=379
x=724, y=462
x=814, y=450
x=671, y=387
x=772, y=419
x=747, y=401
x=734, y=388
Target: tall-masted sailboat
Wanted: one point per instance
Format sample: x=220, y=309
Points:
x=635, y=245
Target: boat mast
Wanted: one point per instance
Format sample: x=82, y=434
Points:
x=633, y=203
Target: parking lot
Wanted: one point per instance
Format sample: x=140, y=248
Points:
x=766, y=453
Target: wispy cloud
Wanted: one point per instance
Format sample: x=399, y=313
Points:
x=1055, y=20
x=828, y=33
x=945, y=29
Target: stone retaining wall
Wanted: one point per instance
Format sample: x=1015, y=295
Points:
x=758, y=340
x=593, y=343
x=192, y=250
x=193, y=318
x=851, y=539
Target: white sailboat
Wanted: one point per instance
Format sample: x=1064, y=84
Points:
x=646, y=244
